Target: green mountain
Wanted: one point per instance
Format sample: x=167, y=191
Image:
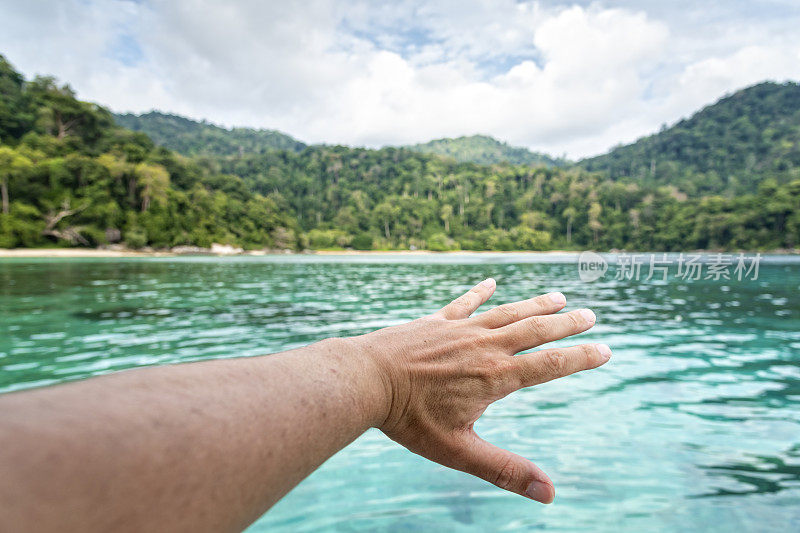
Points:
x=729, y=147
x=190, y=137
x=485, y=150
x=70, y=176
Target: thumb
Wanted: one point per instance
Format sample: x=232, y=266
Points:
x=507, y=470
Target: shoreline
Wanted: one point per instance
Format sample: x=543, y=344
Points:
x=77, y=252
x=99, y=252
x=123, y=253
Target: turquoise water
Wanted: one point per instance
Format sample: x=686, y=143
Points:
x=694, y=424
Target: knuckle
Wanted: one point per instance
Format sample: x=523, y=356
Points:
x=539, y=328
x=511, y=366
x=574, y=321
x=512, y=377
x=588, y=354
x=502, y=376
x=492, y=373
x=484, y=339
x=509, y=312
x=490, y=369
x=507, y=474
x=555, y=362
x=463, y=302
x=543, y=300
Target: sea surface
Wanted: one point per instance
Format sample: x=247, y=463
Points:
x=693, y=425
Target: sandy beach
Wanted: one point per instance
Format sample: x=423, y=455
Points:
x=101, y=252
x=77, y=252
x=429, y=252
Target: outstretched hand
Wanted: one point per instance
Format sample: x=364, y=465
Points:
x=440, y=373
x=221, y=441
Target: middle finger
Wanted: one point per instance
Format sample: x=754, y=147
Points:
x=538, y=330
x=506, y=314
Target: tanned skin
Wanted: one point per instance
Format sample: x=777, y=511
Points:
x=211, y=446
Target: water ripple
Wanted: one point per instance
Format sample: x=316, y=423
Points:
x=695, y=423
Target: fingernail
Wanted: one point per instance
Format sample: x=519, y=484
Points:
x=558, y=298
x=541, y=492
x=489, y=282
x=588, y=315
x=604, y=351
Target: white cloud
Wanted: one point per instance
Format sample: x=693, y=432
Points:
x=746, y=66
x=575, y=79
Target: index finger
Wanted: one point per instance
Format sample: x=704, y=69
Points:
x=467, y=303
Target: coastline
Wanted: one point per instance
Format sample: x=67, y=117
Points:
x=102, y=252
x=121, y=253
x=77, y=252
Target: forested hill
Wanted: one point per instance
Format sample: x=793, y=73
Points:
x=190, y=137
x=70, y=176
x=486, y=150
x=729, y=147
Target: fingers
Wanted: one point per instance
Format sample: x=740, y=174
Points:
x=534, y=331
x=506, y=470
x=466, y=304
x=505, y=314
x=545, y=365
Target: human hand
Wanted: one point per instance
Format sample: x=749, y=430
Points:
x=440, y=373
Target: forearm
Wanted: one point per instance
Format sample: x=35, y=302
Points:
x=201, y=446
x=210, y=446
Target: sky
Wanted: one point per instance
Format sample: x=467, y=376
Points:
x=566, y=78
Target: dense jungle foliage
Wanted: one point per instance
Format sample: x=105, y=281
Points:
x=189, y=137
x=486, y=150
x=69, y=175
x=728, y=148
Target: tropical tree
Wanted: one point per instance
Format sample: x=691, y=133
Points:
x=12, y=163
x=154, y=181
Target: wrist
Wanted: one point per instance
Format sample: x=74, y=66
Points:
x=367, y=377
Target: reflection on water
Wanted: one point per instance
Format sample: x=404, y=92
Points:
x=694, y=424
x=759, y=475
